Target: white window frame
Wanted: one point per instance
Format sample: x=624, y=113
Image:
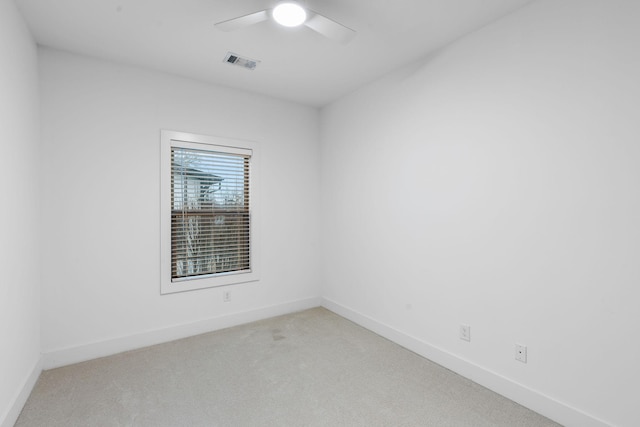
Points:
x=169, y=139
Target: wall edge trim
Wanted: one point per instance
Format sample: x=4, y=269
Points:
x=9, y=418
x=537, y=401
x=81, y=353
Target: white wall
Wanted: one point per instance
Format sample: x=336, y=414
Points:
x=101, y=253
x=496, y=184
x=19, y=180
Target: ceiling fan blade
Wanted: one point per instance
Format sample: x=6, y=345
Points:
x=243, y=21
x=330, y=28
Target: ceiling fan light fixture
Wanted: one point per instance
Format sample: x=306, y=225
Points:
x=289, y=14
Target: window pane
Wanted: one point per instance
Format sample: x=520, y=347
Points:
x=210, y=213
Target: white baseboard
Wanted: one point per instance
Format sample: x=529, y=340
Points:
x=81, y=353
x=532, y=399
x=11, y=416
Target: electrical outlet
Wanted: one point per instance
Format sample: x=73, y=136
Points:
x=465, y=332
x=521, y=353
x=226, y=296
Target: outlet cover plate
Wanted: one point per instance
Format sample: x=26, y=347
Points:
x=521, y=353
x=465, y=332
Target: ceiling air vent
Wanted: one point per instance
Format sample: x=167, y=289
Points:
x=235, y=59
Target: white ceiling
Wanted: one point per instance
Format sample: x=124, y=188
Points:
x=178, y=36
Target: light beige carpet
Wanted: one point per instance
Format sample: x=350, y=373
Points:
x=311, y=368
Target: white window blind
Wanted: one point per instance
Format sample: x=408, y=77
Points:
x=209, y=233
x=210, y=213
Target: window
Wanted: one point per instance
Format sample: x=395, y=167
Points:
x=209, y=204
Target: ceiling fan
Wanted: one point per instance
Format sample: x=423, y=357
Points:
x=292, y=14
